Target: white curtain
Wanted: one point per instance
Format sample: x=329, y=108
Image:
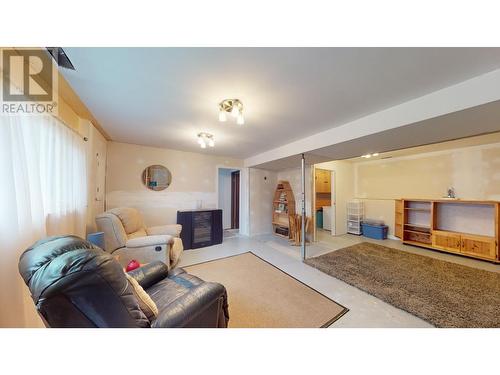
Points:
x=43, y=192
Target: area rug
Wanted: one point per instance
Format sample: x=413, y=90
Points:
x=262, y=296
x=443, y=293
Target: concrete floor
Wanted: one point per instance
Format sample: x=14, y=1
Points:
x=364, y=309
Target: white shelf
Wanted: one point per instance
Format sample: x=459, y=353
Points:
x=355, y=214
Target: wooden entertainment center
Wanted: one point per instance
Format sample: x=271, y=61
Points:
x=465, y=227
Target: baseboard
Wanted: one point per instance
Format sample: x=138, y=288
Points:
x=391, y=237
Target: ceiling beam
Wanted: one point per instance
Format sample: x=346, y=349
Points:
x=470, y=93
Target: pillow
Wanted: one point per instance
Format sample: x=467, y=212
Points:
x=146, y=304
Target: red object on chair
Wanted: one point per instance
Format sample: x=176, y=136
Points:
x=132, y=265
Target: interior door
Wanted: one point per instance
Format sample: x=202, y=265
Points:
x=235, y=200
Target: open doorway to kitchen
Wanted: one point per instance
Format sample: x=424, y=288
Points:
x=324, y=202
x=229, y=199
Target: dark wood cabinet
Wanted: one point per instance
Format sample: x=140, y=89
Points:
x=200, y=228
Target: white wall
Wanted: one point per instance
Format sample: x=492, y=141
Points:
x=194, y=177
x=262, y=186
x=225, y=196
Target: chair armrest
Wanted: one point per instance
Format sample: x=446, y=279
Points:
x=172, y=230
x=189, y=306
x=147, y=241
x=150, y=274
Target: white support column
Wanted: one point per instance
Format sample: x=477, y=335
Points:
x=303, y=199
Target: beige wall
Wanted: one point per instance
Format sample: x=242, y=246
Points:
x=474, y=172
x=194, y=178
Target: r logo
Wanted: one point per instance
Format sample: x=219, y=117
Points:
x=34, y=72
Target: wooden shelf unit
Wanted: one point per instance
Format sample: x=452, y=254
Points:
x=283, y=207
x=465, y=227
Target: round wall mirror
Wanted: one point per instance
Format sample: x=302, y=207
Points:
x=156, y=177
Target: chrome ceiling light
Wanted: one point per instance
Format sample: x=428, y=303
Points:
x=205, y=139
x=232, y=106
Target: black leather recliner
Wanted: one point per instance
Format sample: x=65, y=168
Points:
x=76, y=284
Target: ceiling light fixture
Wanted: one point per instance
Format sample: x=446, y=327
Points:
x=368, y=156
x=233, y=107
x=205, y=139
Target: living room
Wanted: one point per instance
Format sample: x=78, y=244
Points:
x=246, y=186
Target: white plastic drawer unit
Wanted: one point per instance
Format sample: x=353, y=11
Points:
x=355, y=211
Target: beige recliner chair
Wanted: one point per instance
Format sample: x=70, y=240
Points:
x=127, y=238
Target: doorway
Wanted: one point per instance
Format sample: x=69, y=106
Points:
x=324, y=203
x=235, y=200
x=228, y=187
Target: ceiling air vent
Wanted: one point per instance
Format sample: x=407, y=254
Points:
x=60, y=57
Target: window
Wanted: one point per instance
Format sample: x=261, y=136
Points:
x=43, y=191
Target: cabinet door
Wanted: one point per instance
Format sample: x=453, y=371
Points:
x=327, y=181
x=322, y=184
x=317, y=178
x=446, y=241
x=398, y=219
x=480, y=246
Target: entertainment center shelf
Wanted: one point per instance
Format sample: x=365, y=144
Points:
x=465, y=227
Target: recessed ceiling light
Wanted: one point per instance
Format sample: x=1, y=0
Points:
x=368, y=156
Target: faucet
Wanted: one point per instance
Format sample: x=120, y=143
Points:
x=451, y=193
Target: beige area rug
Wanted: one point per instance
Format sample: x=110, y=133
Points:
x=262, y=296
x=443, y=293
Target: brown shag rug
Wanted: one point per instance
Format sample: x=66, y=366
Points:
x=444, y=294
